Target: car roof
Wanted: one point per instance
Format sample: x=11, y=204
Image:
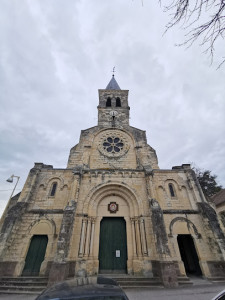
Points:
x=218, y=295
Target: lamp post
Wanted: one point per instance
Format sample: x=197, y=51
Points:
x=10, y=179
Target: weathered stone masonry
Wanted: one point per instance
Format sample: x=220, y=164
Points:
x=112, y=174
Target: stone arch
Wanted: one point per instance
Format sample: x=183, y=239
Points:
x=118, y=102
x=108, y=102
x=174, y=182
x=49, y=182
x=42, y=225
x=120, y=129
x=160, y=186
x=65, y=186
x=172, y=190
x=53, y=189
x=97, y=194
x=189, y=224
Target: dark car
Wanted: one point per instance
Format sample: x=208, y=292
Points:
x=93, y=289
x=220, y=296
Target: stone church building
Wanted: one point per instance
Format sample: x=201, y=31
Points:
x=111, y=211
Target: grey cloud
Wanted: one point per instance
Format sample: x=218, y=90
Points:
x=55, y=55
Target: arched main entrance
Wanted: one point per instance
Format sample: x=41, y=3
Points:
x=113, y=245
x=35, y=255
x=97, y=212
x=188, y=254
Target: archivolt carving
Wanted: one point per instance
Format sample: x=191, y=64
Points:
x=118, y=189
x=113, y=129
x=45, y=218
x=52, y=179
x=189, y=224
x=161, y=186
x=177, y=184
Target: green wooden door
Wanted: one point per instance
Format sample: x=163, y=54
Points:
x=35, y=255
x=113, y=246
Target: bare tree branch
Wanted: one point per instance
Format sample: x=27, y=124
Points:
x=189, y=13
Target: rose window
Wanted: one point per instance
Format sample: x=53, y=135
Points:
x=113, y=144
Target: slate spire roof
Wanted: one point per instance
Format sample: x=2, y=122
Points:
x=113, y=85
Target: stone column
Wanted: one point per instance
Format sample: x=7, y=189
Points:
x=88, y=233
x=82, y=239
x=143, y=237
x=134, y=237
x=138, y=238
x=92, y=235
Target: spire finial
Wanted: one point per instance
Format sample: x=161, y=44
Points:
x=113, y=71
x=113, y=85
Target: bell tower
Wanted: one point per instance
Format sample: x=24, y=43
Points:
x=113, y=109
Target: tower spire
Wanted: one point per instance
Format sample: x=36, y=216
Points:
x=113, y=85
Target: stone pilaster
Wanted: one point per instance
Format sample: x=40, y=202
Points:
x=60, y=267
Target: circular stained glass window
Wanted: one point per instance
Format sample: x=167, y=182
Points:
x=113, y=144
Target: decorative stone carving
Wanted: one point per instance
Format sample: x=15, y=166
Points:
x=113, y=143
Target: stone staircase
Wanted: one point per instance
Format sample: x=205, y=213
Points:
x=129, y=281
x=22, y=285
x=217, y=279
x=35, y=285
x=183, y=280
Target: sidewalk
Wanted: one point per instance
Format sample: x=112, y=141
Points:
x=196, y=292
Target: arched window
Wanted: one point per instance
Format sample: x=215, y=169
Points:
x=118, y=102
x=108, y=102
x=172, y=191
x=53, y=189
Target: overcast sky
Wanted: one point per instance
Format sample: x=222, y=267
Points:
x=56, y=54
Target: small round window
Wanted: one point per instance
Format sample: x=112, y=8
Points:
x=113, y=144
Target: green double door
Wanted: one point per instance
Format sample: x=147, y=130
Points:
x=113, y=246
x=35, y=255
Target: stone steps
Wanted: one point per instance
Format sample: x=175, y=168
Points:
x=23, y=285
x=35, y=285
x=25, y=278
x=217, y=279
x=137, y=282
x=18, y=292
x=17, y=283
x=183, y=280
x=129, y=281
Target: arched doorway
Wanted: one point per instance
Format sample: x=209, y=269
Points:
x=188, y=254
x=35, y=255
x=113, y=245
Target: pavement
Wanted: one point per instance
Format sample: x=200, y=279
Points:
x=196, y=292
x=200, y=290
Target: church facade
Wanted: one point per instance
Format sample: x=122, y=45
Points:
x=111, y=211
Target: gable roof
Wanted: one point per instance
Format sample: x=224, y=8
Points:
x=219, y=198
